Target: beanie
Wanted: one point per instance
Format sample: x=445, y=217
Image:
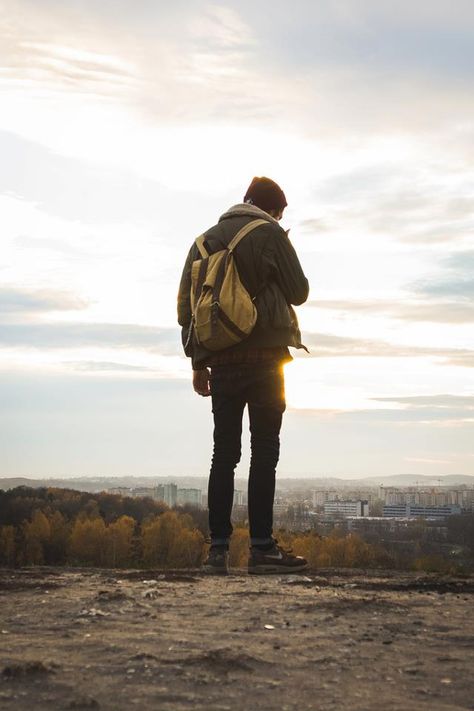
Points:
x=265, y=194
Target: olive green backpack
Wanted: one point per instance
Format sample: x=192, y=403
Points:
x=223, y=311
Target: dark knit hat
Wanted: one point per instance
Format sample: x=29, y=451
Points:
x=265, y=194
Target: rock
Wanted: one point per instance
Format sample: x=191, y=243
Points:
x=93, y=612
x=299, y=580
x=151, y=594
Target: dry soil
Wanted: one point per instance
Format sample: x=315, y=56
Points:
x=171, y=640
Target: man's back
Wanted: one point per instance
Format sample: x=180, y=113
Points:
x=270, y=271
x=250, y=373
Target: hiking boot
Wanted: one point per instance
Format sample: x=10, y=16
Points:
x=274, y=560
x=217, y=562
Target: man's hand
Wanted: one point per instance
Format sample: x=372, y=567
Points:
x=201, y=382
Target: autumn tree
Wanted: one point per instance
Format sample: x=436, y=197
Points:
x=171, y=540
x=36, y=534
x=57, y=544
x=119, y=540
x=88, y=542
x=7, y=545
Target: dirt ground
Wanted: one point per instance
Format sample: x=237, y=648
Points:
x=171, y=640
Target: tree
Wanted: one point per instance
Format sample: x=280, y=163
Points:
x=119, y=541
x=36, y=533
x=57, y=545
x=88, y=541
x=170, y=540
x=7, y=545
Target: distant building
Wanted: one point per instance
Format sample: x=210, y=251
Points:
x=190, y=496
x=346, y=508
x=135, y=492
x=419, y=511
x=370, y=525
x=238, y=497
x=428, y=496
x=120, y=490
x=167, y=493
x=138, y=491
x=320, y=497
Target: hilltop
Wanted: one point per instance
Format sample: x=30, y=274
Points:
x=333, y=640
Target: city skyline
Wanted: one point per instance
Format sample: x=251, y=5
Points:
x=127, y=130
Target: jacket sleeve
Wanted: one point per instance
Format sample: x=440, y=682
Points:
x=286, y=269
x=184, y=301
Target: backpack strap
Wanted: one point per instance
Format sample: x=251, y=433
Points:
x=244, y=232
x=200, y=245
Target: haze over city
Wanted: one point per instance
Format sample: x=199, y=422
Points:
x=126, y=129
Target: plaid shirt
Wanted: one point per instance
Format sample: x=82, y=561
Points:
x=278, y=354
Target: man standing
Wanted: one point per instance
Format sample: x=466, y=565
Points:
x=249, y=373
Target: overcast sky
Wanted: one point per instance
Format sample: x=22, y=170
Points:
x=126, y=129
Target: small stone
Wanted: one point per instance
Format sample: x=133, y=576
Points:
x=269, y=627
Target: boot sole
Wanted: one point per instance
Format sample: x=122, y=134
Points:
x=269, y=569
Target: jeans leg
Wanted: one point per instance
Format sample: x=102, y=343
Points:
x=266, y=407
x=227, y=407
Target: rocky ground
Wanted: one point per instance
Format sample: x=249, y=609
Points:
x=170, y=640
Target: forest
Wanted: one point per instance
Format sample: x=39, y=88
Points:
x=53, y=526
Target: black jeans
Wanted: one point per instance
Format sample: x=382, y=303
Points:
x=261, y=387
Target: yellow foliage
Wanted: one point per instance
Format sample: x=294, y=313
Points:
x=59, y=535
x=434, y=564
x=170, y=542
x=119, y=542
x=36, y=533
x=335, y=551
x=88, y=541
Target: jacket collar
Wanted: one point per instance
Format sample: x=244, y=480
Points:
x=246, y=210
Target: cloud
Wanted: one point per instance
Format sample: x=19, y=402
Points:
x=436, y=311
x=165, y=341
x=462, y=288
x=393, y=196
x=92, y=366
x=426, y=460
x=324, y=345
x=429, y=408
x=75, y=190
x=122, y=426
x=440, y=401
x=16, y=301
x=456, y=280
x=420, y=415
x=332, y=67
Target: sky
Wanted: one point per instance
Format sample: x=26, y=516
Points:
x=127, y=129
